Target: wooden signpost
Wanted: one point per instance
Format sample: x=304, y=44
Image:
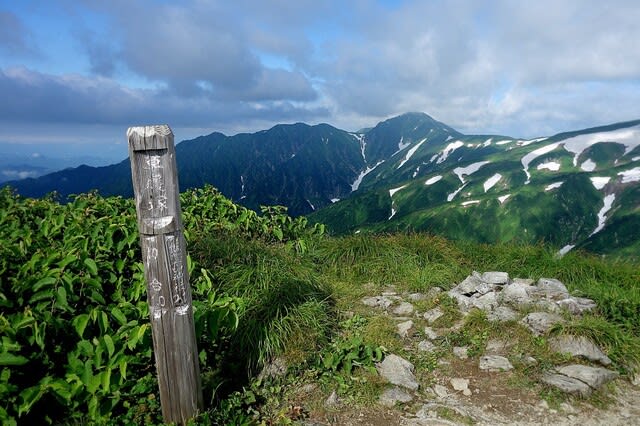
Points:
x=155, y=184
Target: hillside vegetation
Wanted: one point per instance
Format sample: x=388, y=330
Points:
x=75, y=342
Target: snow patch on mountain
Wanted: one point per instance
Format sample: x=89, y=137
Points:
x=630, y=138
x=635, y=159
x=468, y=170
x=415, y=172
x=393, y=204
x=549, y=165
x=335, y=200
x=447, y=151
x=411, y=152
x=489, y=183
x=394, y=190
x=566, y=249
x=530, y=141
x=312, y=206
x=553, y=186
x=602, y=214
x=468, y=203
x=588, y=166
x=432, y=180
x=631, y=175
x=448, y=138
x=504, y=142
x=402, y=145
x=599, y=182
x=356, y=184
x=503, y=198
x=451, y=196
x=528, y=158
x=487, y=142
x=363, y=144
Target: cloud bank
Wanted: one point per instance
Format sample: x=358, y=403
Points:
x=510, y=67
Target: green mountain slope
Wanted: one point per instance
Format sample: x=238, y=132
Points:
x=577, y=189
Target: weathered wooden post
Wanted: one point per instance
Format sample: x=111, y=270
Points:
x=155, y=184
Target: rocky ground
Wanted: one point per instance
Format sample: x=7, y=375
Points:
x=485, y=388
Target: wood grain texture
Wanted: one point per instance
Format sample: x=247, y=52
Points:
x=157, y=198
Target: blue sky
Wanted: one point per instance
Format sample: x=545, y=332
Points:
x=80, y=72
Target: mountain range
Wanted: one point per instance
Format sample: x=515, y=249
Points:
x=413, y=173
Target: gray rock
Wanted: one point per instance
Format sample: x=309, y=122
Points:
x=499, y=278
x=430, y=333
x=525, y=281
x=404, y=328
x=496, y=346
x=486, y=302
x=417, y=296
x=433, y=292
x=579, y=346
x=516, y=294
x=332, y=401
x=566, y=384
x=464, y=302
x=433, y=314
x=469, y=285
x=459, y=384
x=547, y=306
x=577, y=305
x=383, y=301
x=502, y=314
x=593, y=376
x=371, y=301
x=551, y=289
x=540, y=322
x=461, y=352
x=391, y=396
x=440, y=391
x=404, y=308
x=485, y=288
x=276, y=368
x=494, y=363
x=426, y=346
x=398, y=371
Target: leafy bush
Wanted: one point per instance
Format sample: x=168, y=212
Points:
x=74, y=327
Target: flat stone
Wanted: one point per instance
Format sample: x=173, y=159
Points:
x=398, y=371
x=461, y=352
x=499, y=278
x=494, y=363
x=391, y=396
x=404, y=308
x=459, y=384
x=566, y=384
x=430, y=333
x=593, y=376
x=404, y=328
x=577, y=305
x=579, y=346
x=433, y=314
x=469, y=285
x=502, y=314
x=426, y=346
x=540, y=322
x=440, y=391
